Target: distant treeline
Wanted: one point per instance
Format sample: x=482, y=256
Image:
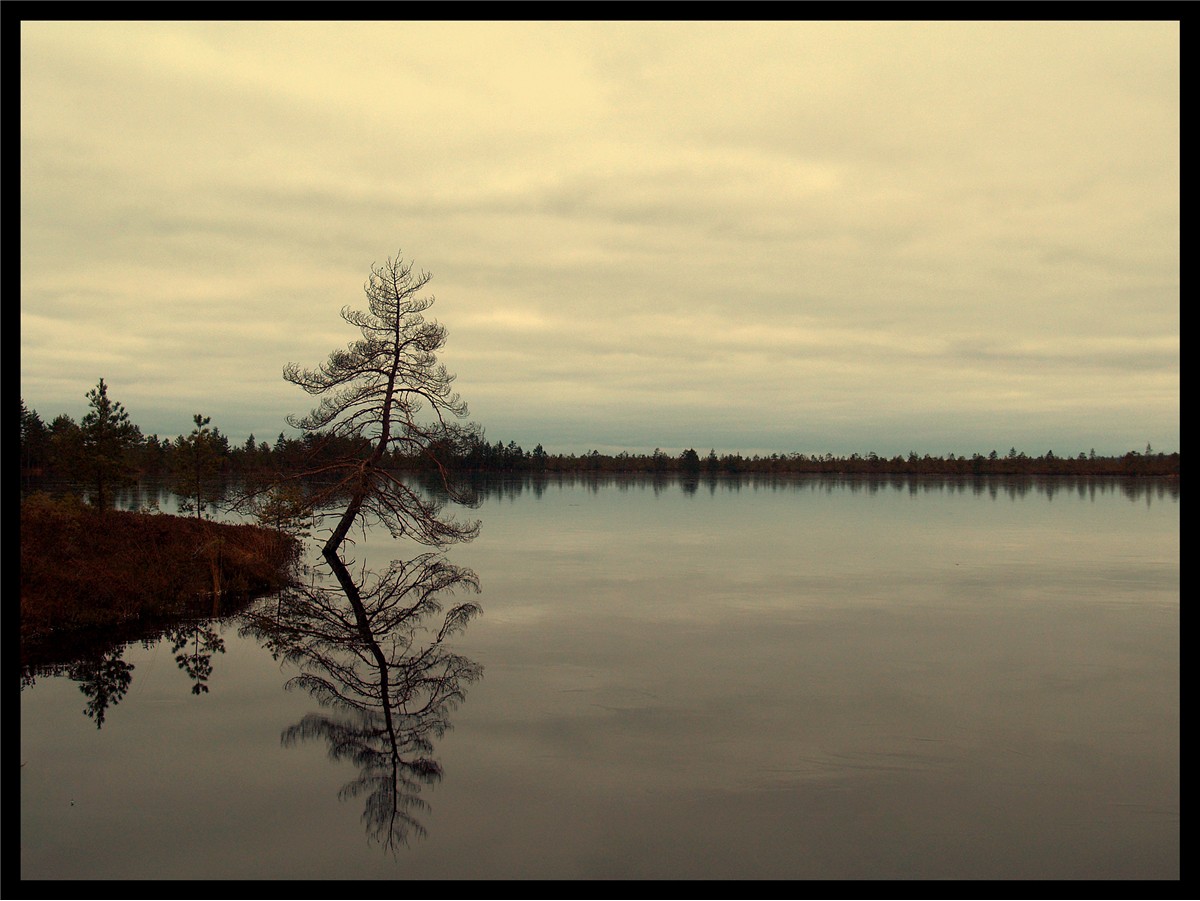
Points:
x=484, y=457
x=97, y=448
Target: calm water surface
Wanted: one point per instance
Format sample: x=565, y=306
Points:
x=797, y=679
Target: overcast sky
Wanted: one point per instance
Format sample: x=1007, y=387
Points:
x=753, y=237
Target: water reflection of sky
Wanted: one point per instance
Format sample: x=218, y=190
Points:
x=753, y=683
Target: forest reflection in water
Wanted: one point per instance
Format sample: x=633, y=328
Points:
x=1011, y=487
x=95, y=660
x=912, y=677
x=155, y=494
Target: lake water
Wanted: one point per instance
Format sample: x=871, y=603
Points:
x=805, y=678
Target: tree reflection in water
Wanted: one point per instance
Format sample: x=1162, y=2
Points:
x=98, y=663
x=104, y=680
x=193, y=645
x=372, y=652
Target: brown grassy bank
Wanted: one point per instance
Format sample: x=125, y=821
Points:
x=84, y=568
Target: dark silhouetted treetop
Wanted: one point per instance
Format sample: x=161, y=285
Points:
x=375, y=390
x=379, y=384
x=107, y=441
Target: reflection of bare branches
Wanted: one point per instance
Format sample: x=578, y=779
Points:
x=380, y=495
x=390, y=775
x=375, y=652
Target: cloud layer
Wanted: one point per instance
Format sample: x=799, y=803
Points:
x=785, y=236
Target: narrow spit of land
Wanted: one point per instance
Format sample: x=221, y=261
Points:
x=86, y=568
